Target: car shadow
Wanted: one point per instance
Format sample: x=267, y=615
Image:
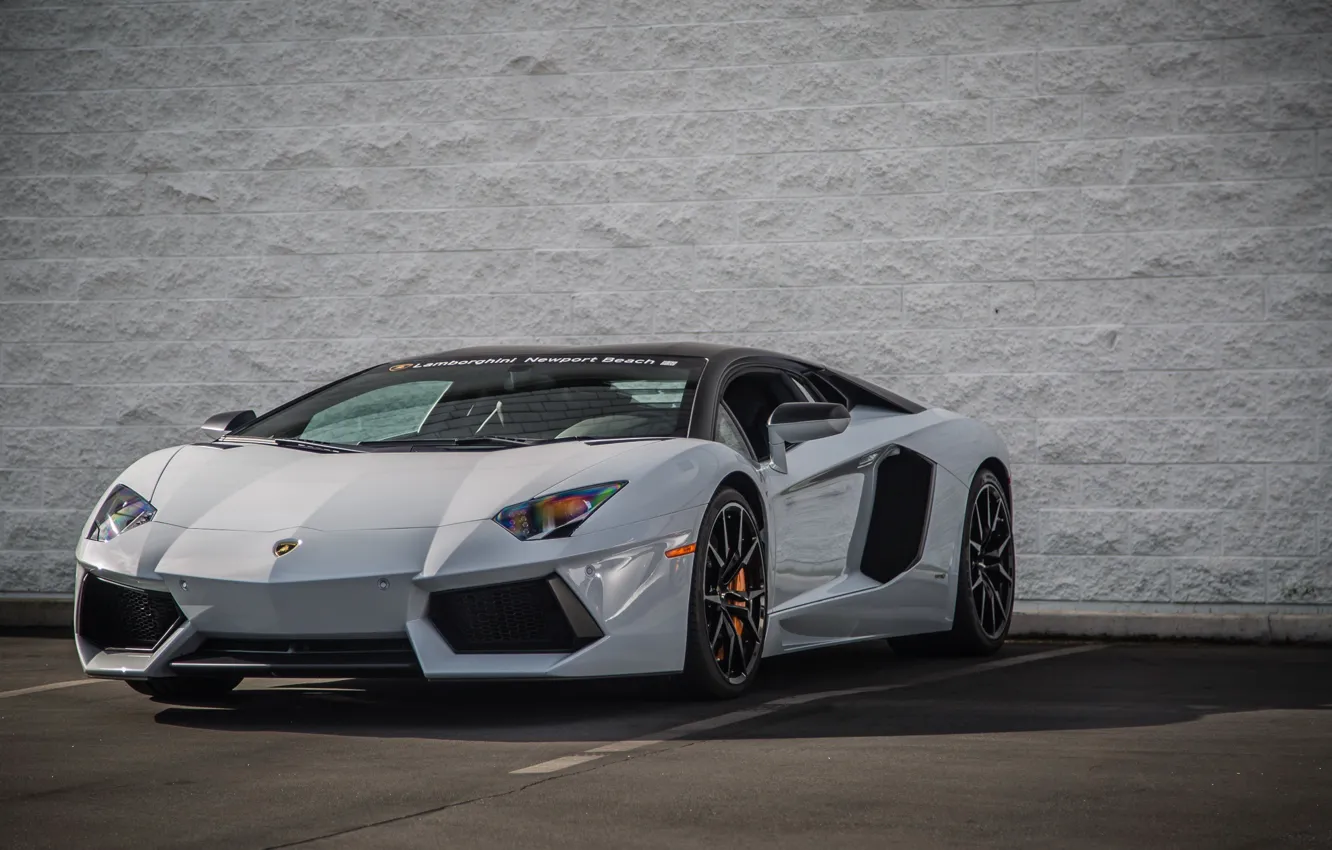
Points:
x=1122, y=685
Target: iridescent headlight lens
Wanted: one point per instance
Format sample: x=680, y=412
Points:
x=123, y=509
x=544, y=516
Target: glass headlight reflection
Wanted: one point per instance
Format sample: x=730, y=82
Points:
x=546, y=515
x=123, y=509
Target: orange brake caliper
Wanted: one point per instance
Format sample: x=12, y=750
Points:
x=738, y=585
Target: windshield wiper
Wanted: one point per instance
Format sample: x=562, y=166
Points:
x=493, y=440
x=593, y=438
x=312, y=445
x=482, y=440
x=498, y=411
x=296, y=443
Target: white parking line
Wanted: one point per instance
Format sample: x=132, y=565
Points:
x=557, y=764
x=625, y=746
x=54, y=686
x=733, y=717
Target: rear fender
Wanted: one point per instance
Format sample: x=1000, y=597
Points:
x=958, y=445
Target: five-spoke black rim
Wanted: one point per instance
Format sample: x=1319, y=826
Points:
x=990, y=551
x=735, y=592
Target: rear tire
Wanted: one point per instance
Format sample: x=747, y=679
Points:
x=986, y=579
x=728, y=602
x=181, y=689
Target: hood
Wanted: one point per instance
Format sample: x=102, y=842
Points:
x=250, y=487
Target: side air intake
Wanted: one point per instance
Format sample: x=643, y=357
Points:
x=903, y=489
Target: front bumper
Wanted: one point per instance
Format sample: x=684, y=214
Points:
x=466, y=601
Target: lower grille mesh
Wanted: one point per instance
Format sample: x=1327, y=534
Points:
x=519, y=617
x=112, y=616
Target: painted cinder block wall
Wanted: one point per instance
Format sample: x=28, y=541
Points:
x=1105, y=225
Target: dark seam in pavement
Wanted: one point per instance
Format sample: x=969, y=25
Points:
x=591, y=766
x=678, y=744
x=588, y=769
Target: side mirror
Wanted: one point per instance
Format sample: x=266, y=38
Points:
x=224, y=423
x=800, y=422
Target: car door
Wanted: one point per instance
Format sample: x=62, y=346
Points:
x=814, y=505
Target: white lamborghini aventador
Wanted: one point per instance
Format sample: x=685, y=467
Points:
x=680, y=509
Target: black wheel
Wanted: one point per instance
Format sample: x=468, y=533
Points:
x=986, y=578
x=182, y=689
x=728, y=602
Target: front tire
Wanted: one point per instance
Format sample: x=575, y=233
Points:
x=728, y=600
x=986, y=580
x=180, y=689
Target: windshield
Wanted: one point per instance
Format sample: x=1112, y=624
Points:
x=523, y=398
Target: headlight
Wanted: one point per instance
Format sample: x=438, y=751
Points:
x=123, y=509
x=544, y=516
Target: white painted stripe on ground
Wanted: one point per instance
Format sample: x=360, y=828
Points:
x=733, y=717
x=625, y=746
x=708, y=723
x=801, y=699
x=557, y=764
x=54, y=686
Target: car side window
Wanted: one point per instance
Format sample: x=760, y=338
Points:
x=752, y=397
x=729, y=434
x=804, y=387
x=828, y=391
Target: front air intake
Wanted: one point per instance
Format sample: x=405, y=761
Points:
x=117, y=618
x=541, y=615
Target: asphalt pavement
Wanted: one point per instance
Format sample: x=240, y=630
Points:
x=1043, y=746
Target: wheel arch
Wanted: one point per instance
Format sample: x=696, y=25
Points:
x=748, y=487
x=998, y=467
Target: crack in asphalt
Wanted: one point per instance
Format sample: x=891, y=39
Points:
x=591, y=766
x=765, y=709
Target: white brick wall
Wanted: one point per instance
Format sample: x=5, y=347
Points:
x=1103, y=224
